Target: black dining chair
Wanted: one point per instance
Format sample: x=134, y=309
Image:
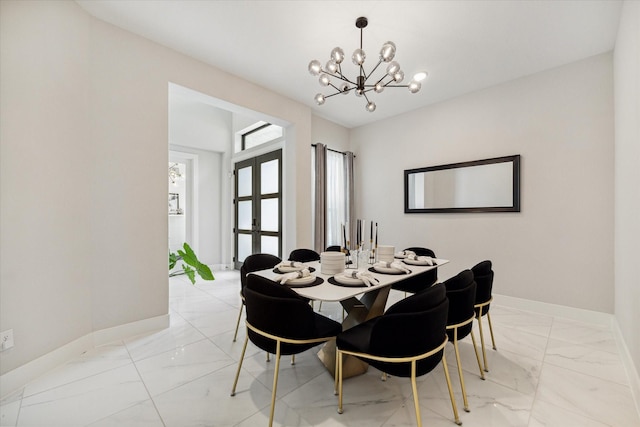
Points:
x=304, y=255
x=280, y=322
x=421, y=281
x=461, y=292
x=254, y=262
x=408, y=340
x=483, y=276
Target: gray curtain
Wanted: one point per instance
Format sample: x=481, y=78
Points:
x=321, y=197
x=351, y=211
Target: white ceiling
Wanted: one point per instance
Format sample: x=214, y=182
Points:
x=465, y=46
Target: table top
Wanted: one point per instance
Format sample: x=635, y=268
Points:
x=328, y=292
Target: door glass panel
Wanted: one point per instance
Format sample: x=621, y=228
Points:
x=245, y=216
x=269, y=245
x=244, y=182
x=269, y=177
x=269, y=215
x=244, y=246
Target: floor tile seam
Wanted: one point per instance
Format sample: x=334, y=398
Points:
x=129, y=362
x=148, y=392
x=199, y=377
x=537, y=385
x=204, y=338
x=520, y=329
x=572, y=411
x=589, y=375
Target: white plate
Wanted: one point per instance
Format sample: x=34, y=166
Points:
x=391, y=270
x=301, y=280
x=417, y=262
x=347, y=280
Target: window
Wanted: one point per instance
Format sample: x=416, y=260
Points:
x=261, y=135
x=336, y=196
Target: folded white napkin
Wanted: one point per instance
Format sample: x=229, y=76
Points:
x=290, y=264
x=395, y=264
x=405, y=254
x=366, y=277
x=426, y=259
x=284, y=278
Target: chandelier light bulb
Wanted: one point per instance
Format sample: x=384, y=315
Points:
x=315, y=67
x=414, y=86
x=337, y=54
x=359, y=92
x=319, y=98
x=371, y=107
x=344, y=88
x=393, y=68
x=398, y=76
x=324, y=79
x=420, y=76
x=379, y=87
x=388, y=51
x=358, y=57
x=332, y=67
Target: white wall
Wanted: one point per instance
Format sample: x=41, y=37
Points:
x=47, y=241
x=627, y=177
x=559, y=248
x=86, y=109
x=331, y=134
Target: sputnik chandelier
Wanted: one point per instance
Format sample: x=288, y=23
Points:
x=362, y=83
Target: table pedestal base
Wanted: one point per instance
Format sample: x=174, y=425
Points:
x=371, y=305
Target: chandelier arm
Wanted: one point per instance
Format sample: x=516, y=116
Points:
x=334, y=94
x=373, y=71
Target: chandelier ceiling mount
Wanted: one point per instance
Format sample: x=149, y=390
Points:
x=331, y=75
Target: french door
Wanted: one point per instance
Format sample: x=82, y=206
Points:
x=258, y=206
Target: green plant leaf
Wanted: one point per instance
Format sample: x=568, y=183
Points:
x=173, y=258
x=190, y=272
x=193, y=264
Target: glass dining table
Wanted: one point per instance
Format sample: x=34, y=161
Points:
x=361, y=303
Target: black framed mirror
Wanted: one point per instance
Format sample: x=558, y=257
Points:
x=488, y=185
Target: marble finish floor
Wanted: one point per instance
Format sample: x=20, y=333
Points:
x=548, y=371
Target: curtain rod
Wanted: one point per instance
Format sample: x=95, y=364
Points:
x=335, y=151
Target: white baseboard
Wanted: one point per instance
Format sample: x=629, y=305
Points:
x=627, y=361
x=21, y=376
x=587, y=316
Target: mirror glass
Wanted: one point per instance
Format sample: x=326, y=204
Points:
x=489, y=185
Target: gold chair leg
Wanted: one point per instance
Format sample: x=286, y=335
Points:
x=384, y=376
x=339, y=374
x=493, y=341
x=484, y=352
x=235, y=383
x=320, y=306
x=453, y=401
x=293, y=359
x=335, y=375
x=414, y=387
x=275, y=384
x=235, y=335
x=475, y=349
x=457, y=351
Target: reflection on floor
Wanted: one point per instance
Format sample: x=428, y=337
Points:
x=547, y=372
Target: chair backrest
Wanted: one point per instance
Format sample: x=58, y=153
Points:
x=429, y=277
x=304, y=255
x=256, y=262
x=461, y=292
x=277, y=310
x=483, y=276
x=410, y=327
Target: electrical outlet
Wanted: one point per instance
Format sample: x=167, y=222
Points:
x=6, y=339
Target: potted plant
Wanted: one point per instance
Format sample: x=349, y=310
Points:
x=191, y=265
